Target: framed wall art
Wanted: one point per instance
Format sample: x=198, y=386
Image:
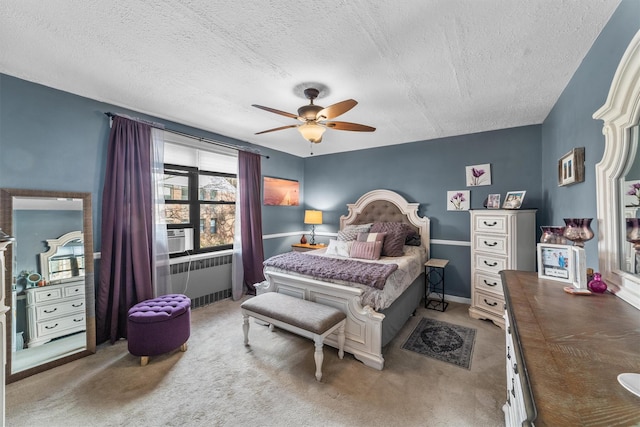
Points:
x=478, y=175
x=281, y=192
x=571, y=167
x=458, y=200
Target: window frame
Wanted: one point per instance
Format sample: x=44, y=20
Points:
x=195, y=204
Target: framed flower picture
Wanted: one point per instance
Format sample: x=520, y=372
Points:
x=478, y=175
x=458, y=200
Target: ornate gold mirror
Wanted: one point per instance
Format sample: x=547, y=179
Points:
x=49, y=280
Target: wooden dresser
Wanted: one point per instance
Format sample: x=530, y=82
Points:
x=564, y=353
x=55, y=310
x=500, y=239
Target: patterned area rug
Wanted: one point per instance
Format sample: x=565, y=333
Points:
x=443, y=341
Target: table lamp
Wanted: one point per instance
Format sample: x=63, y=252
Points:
x=314, y=218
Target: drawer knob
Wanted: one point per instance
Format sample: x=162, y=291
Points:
x=51, y=327
x=50, y=311
x=493, y=264
x=490, y=304
x=76, y=305
x=494, y=223
x=490, y=244
x=490, y=284
x=515, y=368
x=78, y=320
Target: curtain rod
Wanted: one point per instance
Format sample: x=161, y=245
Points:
x=199, y=138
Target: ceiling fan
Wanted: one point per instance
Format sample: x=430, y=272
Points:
x=314, y=118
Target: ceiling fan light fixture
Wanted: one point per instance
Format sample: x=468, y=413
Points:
x=312, y=132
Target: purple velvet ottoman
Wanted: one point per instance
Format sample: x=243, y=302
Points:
x=159, y=325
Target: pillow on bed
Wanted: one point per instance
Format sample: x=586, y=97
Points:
x=366, y=249
x=396, y=235
x=350, y=232
x=413, y=240
x=371, y=237
x=339, y=248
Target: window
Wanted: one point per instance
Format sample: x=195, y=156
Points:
x=200, y=187
x=203, y=198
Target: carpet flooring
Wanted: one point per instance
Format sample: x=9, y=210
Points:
x=442, y=341
x=220, y=382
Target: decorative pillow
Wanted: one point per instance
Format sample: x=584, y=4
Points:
x=339, y=248
x=350, y=232
x=366, y=250
x=413, y=240
x=371, y=237
x=396, y=235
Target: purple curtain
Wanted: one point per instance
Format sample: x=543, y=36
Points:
x=126, y=265
x=251, y=219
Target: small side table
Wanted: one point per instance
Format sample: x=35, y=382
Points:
x=434, y=284
x=304, y=247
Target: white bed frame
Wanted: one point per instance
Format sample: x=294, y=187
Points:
x=364, y=325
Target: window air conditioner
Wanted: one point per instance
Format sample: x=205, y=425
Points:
x=180, y=240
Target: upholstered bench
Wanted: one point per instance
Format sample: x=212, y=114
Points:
x=159, y=325
x=304, y=318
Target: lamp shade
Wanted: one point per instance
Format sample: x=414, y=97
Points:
x=313, y=217
x=312, y=131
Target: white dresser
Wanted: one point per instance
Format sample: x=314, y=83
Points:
x=500, y=240
x=55, y=310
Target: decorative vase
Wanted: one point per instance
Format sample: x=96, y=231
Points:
x=303, y=239
x=552, y=234
x=597, y=285
x=578, y=230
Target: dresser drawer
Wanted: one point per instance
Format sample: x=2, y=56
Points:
x=74, y=290
x=487, y=243
x=490, y=263
x=491, y=224
x=45, y=312
x=488, y=282
x=62, y=326
x=489, y=302
x=45, y=295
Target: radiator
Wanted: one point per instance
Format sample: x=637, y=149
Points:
x=205, y=281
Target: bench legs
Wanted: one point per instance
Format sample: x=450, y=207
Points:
x=317, y=339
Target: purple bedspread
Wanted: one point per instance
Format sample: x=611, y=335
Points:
x=365, y=273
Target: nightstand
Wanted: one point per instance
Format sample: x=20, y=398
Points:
x=304, y=247
x=434, y=284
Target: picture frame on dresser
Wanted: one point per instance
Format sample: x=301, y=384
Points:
x=562, y=263
x=514, y=199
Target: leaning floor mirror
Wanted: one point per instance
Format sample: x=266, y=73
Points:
x=49, y=279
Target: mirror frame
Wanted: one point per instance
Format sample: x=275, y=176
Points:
x=620, y=113
x=54, y=245
x=6, y=223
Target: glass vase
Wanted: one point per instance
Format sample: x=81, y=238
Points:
x=552, y=234
x=578, y=230
x=597, y=285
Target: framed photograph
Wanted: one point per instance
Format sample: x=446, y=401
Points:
x=493, y=201
x=281, y=192
x=571, y=167
x=478, y=175
x=513, y=200
x=563, y=263
x=555, y=262
x=458, y=200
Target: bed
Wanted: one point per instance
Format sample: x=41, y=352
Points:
x=371, y=322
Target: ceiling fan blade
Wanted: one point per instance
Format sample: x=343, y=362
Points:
x=275, y=129
x=349, y=126
x=335, y=110
x=273, y=110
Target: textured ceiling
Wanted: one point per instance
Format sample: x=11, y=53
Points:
x=420, y=69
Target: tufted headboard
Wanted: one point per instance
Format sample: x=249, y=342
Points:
x=387, y=206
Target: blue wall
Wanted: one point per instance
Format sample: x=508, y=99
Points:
x=54, y=140
x=570, y=124
x=423, y=172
